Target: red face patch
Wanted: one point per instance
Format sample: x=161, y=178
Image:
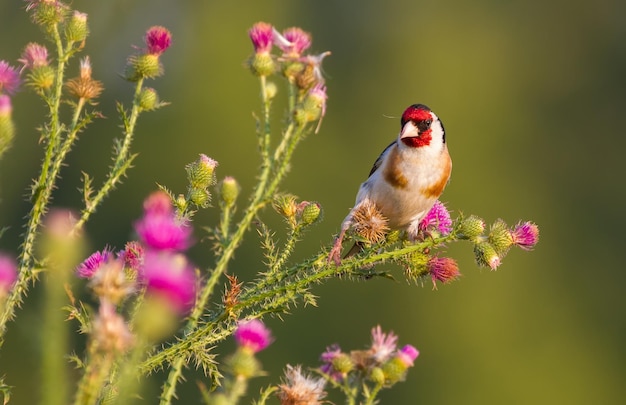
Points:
x=423, y=139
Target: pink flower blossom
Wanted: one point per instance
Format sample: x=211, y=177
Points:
x=443, y=269
x=93, y=263
x=9, y=78
x=253, y=335
x=293, y=41
x=170, y=276
x=525, y=235
x=132, y=255
x=407, y=355
x=262, y=35
x=34, y=56
x=331, y=353
x=158, y=39
x=8, y=273
x=159, y=228
x=383, y=344
x=437, y=218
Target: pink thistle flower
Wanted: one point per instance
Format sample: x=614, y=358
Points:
x=525, y=235
x=262, y=35
x=438, y=218
x=158, y=203
x=159, y=228
x=93, y=263
x=163, y=232
x=443, y=269
x=300, y=389
x=34, y=56
x=253, y=335
x=383, y=344
x=5, y=106
x=328, y=357
x=9, y=78
x=293, y=41
x=407, y=355
x=8, y=273
x=170, y=276
x=158, y=39
x=110, y=331
x=132, y=255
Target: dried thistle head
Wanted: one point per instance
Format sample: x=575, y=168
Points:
x=369, y=223
x=231, y=296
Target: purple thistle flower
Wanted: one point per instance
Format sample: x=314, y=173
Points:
x=293, y=41
x=443, y=269
x=438, y=218
x=9, y=78
x=262, y=36
x=525, y=235
x=407, y=355
x=93, y=263
x=170, y=276
x=163, y=232
x=34, y=56
x=8, y=273
x=158, y=203
x=383, y=344
x=158, y=39
x=159, y=228
x=253, y=335
x=328, y=357
x=132, y=255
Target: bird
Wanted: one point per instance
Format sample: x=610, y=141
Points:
x=407, y=178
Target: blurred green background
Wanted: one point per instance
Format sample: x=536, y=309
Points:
x=532, y=94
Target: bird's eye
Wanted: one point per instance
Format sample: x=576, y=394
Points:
x=424, y=125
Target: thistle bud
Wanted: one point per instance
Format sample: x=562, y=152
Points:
x=76, y=29
x=148, y=99
x=500, y=237
x=262, y=64
x=200, y=172
x=486, y=255
x=229, y=191
x=310, y=213
x=200, y=197
x=243, y=364
x=47, y=13
x=471, y=227
x=146, y=66
x=377, y=376
x=313, y=107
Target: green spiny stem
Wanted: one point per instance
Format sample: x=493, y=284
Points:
x=41, y=196
x=93, y=379
x=121, y=164
x=290, y=244
x=168, y=391
x=371, y=398
x=318, y=270
x=265, y=135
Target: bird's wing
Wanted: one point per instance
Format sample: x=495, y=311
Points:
x=379, y=161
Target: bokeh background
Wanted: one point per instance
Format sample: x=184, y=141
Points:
x=532, y=94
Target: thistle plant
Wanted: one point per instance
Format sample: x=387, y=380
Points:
x=152, y=307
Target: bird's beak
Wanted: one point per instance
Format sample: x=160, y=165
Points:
x=409, y=131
